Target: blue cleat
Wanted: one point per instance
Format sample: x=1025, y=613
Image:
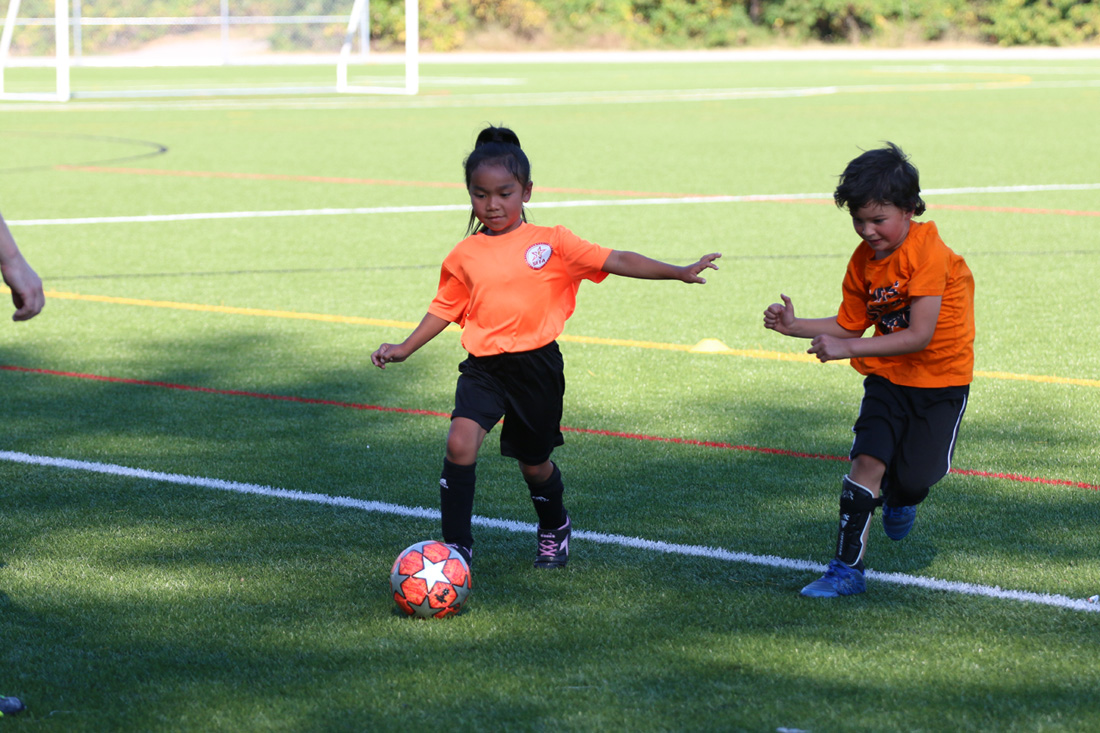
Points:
x=11, y=706
x=838, y=580
x=898, y=520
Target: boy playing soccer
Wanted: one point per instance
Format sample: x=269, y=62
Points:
x=918, y=363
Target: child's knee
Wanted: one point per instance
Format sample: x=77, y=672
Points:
x=538, y=473
x=867, y=471
x=460, y=451
x=463, y=441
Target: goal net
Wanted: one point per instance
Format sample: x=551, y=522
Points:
x=61, y=49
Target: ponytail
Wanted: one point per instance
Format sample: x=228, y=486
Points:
x=500, y=146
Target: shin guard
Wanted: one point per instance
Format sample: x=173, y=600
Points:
x=456, y=503
x=547, y=498
x=857, y=505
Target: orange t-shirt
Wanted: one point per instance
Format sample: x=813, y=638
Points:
x=879, y=292
x=513, y=292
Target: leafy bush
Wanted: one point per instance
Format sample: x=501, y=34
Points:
x=826, y=20
x=1045, y=22
x=943, y=19
x=718, y=23
x=452, y=24
x=707, y=23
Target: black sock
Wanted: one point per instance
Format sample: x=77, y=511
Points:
x=456, y=502
x=547, y=498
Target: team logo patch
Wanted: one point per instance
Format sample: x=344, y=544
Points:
x=538, y=255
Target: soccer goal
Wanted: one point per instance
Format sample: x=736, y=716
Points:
x=63, y=49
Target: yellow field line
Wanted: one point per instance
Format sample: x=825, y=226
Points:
x=228, y=309
x=1039, y=378
x=706, y=346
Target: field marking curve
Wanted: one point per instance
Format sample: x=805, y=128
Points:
x=714, y=553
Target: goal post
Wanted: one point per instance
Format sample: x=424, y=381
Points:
x=231, y=51
x=61, y=91
x=412, y=46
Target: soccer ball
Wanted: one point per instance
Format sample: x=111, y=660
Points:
x=430, y=580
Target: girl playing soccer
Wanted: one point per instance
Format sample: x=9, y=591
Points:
x=511, y=285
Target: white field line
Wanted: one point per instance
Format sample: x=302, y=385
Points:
x=943, y=68
x=714, y=553
x=744, y=55
x=360, y=211
x=546, y=99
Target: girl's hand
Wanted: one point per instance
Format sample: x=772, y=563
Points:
x=429, y=327
x=691, y=272
x=387, y=353
x=26, y=288
x=780, y=316
x=830, y=348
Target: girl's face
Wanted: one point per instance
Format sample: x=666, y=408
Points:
x=883, y=226
x=498, y=198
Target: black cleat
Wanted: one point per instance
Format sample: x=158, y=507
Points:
x=553, y=549
x=466, y=552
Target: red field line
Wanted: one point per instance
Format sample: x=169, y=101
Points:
x=1025, y=479
x=706, y=444
x=586, y=431
x=255, y=176
x=228, y=392
x=1014, y=210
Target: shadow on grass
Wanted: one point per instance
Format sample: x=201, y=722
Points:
x=133, y=598
x=166, y=612
x=742, y=499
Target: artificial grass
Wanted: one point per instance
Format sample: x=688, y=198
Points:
x=136, y=604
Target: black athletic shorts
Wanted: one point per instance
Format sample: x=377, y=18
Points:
x=526, y=389
x=910, y=429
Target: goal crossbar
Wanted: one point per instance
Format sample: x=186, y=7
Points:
x=62, y=59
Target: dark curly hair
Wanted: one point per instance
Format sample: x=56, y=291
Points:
x=881, y=176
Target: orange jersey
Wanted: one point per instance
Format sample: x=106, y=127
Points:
x=879, y=292
x=513, y=292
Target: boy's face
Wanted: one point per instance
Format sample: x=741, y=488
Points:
x=883, y=226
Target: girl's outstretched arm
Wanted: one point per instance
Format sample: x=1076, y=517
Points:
x=26, y=286
x=430, y=326
x=632, y=264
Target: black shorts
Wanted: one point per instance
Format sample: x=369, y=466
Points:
x=910, y=429
x=526, y=389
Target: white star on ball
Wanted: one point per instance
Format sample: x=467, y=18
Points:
x=432, y=573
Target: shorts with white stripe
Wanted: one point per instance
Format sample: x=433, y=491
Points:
x=913, y=431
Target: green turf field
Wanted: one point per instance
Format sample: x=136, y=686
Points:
x=219, y=271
